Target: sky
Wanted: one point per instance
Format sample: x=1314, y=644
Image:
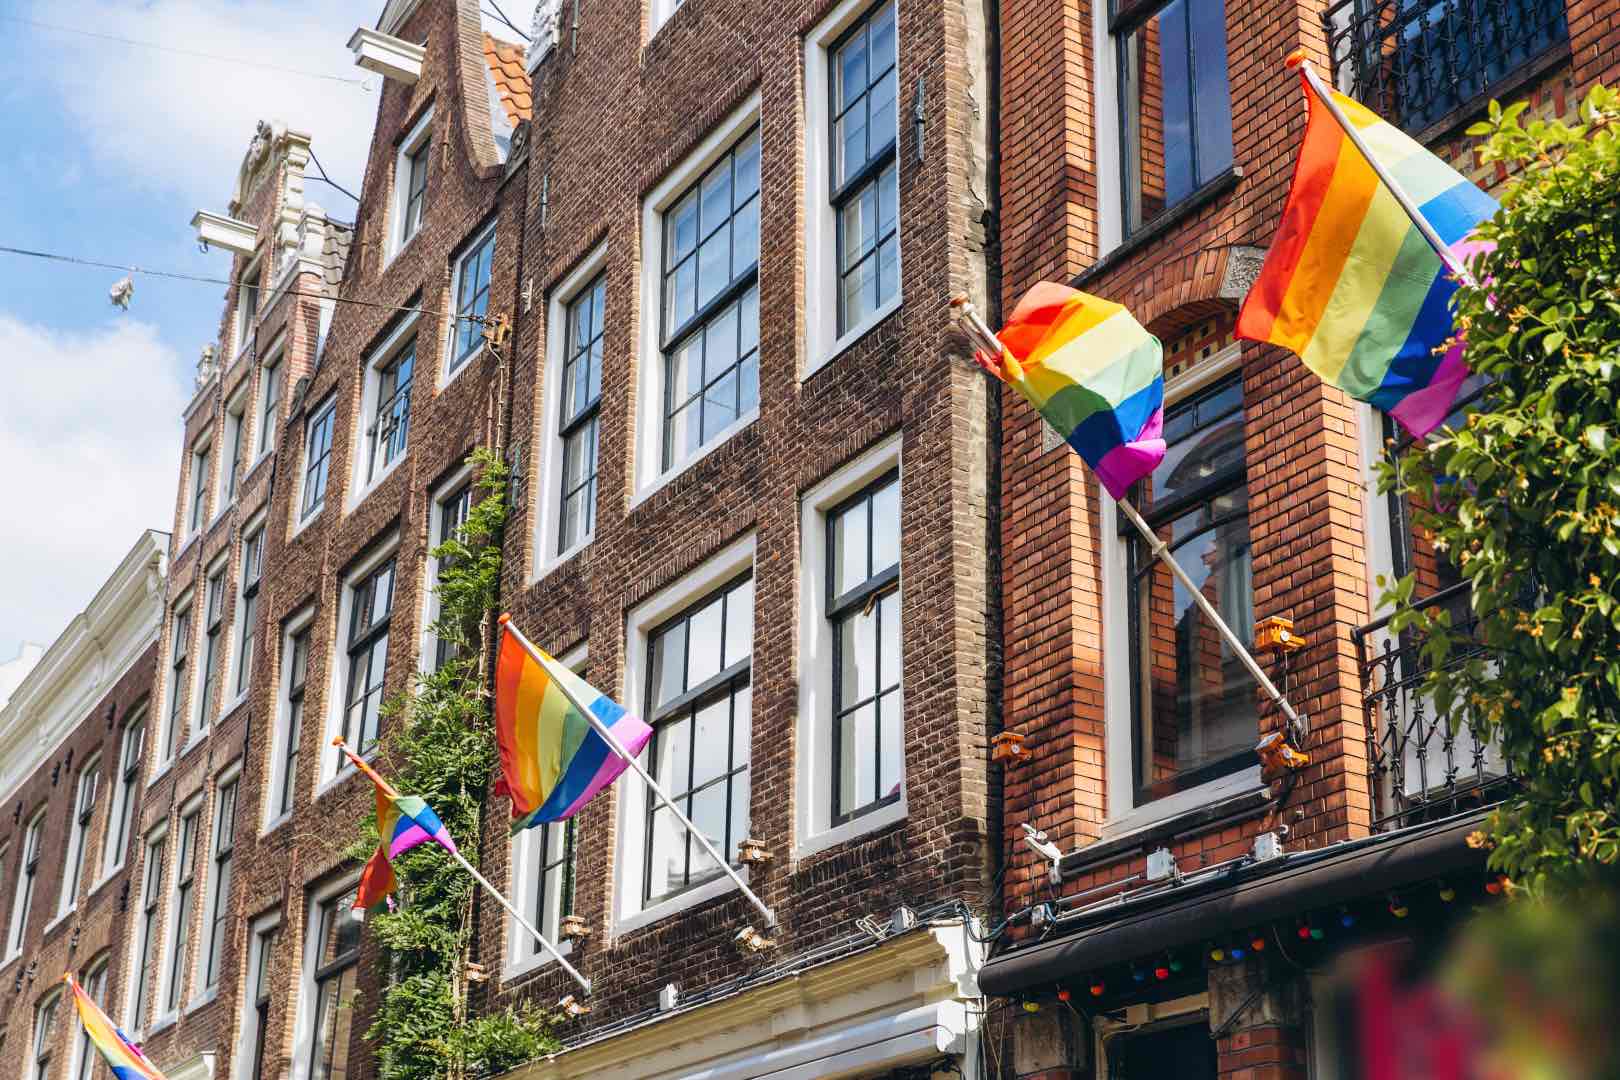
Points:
x=110, y=149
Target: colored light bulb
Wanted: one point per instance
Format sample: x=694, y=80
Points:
x=1175, y=964
x=1317, y=933
x=1447, y=893
x=1032, y=1006
x=1217, y=955
x=1237, y=952
x=1304, y=932
x=1097, y=989
x=1347, y=920
x=1258, y=944
x=1063, y=995
x=1139, y=975
x=1161, y=973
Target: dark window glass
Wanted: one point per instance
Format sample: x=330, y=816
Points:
x=95, y=985
x=1177, y=1049
x=581, y=404
x=270, y=413
x=317, y=456
x=298, y=670
x=45, y=1024
x=224, y=843
x=865, y=166
x=700, y=699
x=247, y=305
x=184, y=886
x=252, y=570
x=237, y=422
x=1176, y=106
x=84, y=813
x=416, y=166
x=199, y=487
x=371, y=603
x=453, y=510
x=338, y=949
x=710, y=303
x=213, y=648
x=151, y=901
x=1194, y=700
x=390, y=428
x=554, y=886
x=129, y=774
x=27, y=882
x=264, y=942
x=472, y=300
x=179, y=665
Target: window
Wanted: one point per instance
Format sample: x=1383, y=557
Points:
x=336, y=951
x=1176, y=1048
x=391, y=422
x=662, y=10
x=247, y=305
x=185, y=873
x=709, y=322
x=235, y=440
x=699, y=700
x=472, y=299
x=179, y=657
x=580, y=404
x=1193, y=700
x=410, y=181
x=865, y=185
x=252, y=572
x=863, y=603
x=122, y=817
x=451, y=515
x=1175, y=103
x=317, y=458
x=27, y=878
x=199, y=488
x=297, y=653
x=371, y=601
x=256, y=1015
x=45, y=1024
x=95, y=985
x=84, y=812
x=554, y=879
x=219, y=906
x=214, y=647
x=146, y=945
x=270, y=409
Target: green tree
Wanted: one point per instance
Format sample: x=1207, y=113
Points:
x=1524, y=499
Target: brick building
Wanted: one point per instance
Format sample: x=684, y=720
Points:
x=1146, y=149
x=72, y=743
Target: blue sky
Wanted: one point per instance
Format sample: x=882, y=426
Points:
x=110, y=150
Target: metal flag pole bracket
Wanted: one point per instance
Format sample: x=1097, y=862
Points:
x=986, y=338
x=652, y=785
x=389, y=790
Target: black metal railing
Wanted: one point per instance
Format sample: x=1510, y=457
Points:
x=1431, y=63
x=1418, y=767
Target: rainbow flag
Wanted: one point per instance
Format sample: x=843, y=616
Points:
x=403, y=821
x=552, y=760
x=1094, y=373
x=123, y=1057
x=1350, y=285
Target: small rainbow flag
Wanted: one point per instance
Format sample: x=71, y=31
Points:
x=1094, y=373
x=1350, y=285
x=552, y=760
x=403, y=821
x=123, y=1057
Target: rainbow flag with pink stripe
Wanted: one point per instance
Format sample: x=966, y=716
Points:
x=1350, y=285
x=1094, y=374
x=403, y=821
x=123, y=1057
x=552, y=760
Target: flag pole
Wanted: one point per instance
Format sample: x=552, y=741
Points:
x=388, y=790
x=988, y=340
x=1325, y=96
x=624, y=755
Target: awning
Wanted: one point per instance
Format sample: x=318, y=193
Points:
x=1248, y=896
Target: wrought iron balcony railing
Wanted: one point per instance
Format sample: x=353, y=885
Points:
x=1429, y=64
x=1418, y=768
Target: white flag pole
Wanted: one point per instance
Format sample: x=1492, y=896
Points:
x=388, y=790
x=652, y=785
x=987, y=339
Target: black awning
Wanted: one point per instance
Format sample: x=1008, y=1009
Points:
x=1249, y=896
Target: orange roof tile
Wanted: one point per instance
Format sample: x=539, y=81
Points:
x=506, y=63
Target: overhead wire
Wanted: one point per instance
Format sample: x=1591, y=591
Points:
x=327, y=180
x=501, y=15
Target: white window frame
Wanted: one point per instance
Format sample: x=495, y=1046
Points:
x=247, y=1031
x=267, y=425
x=1123, y=816
x=1105, y=134
x=132, y=992
x=813, y=830
x=329, y=776
x=630, y=858
x=99, y=965
x=418, y=138
x=56, y=1002
x=239, y=628
x=649, y=427
x=823, y=343
x=203, y=493
x=252, y=277
x=78, y=838
x=401, y=337
x=275, y=772
x=123, y=799
x=200, y=725
x=229, y=776
x=549, y=517
x=171, y=917
x=450, y=369
x=427, y=661
x=236, y=440
x=659, y=13
x=304, y=1026
x=302, y=518
x=173, y=687
x=17, y=924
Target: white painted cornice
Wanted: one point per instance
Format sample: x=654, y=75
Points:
x=390, y=57
x=395, y=14
x=218, y=230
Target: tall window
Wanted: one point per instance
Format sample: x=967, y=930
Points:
x=554, y=884
x=581, y=402
x=235, y=441
x=95, y=985
x=410, y=181
x=219, y=905
x=200, y=459
x=259, y=996
x=252, y=571
x=147, y=943
x=317, y=457
x=1175, y=102
x=84, y=812
x=179, y=665
x=415, y=191
x=27, y=878
x=390, y=427
x=865, y=171
x=863, y=603
x=472, y=299
x=247, y=305
x=700, y=698
x=710, y=318
x=371, y=602
x=184, y=887
x=214, y=646
x=337, y=948
x=453, y=510
x=45, y=1025
x=1193, y=699
x=298, y=670
x=270, y=410
x=122, y=817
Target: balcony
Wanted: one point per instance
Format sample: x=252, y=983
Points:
x=1418, y=768
x=1429, y=65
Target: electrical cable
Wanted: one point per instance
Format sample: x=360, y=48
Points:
x=327, y=180
x=501, y=15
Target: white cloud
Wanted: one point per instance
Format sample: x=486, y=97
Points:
x=90, y=431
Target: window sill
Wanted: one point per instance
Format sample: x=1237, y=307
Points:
x=1151, y=231
x=8, y=961
x=57, y=920
x=691, y=898
x=853, y=336
x=557, y=562
x=105, y=878
x=1241, y=793
x=162, y=1023
x=460, y=369
x=376, y=482
x=208, y=998
x=221, y=514
x=264, y=455
x=161, y=772
x=539, y=961
x=235, y=703
x=185, y=545
x=196, y=740
x=307, y=520
x=881, y=818
x=725, y=435
x=348, y=770
x=274, y=823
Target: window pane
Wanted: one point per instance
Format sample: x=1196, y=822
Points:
x=720, y=343
x=710, y=742
x=669, y=664
x=709, y=815
x=891, y=744
x=742, y=726
x=886, y=527
x=850, y=565
x=704, y=647
x=889, y=640
x=683, y=229
x=719, y=405
x=673, y=764
x=739, y=622
x=666, y=870
x=857, y=763
x=881, y=110
x=747, y=179
x=745, y=239
x=857, y=656
x=715, y=197
x=714, y=265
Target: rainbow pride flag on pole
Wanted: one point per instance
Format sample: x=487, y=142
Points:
x=552, y=760
x=1094, y=374
x=1350, y=284
x=123, y=1057
x=403, y=822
